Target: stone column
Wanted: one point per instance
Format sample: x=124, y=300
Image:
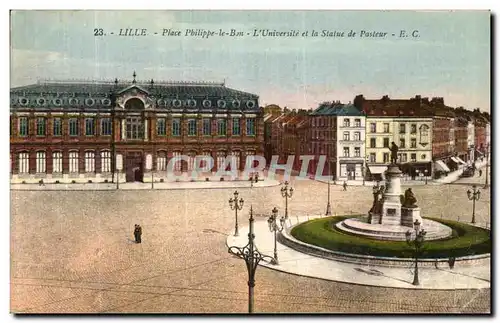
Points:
x=124, y=129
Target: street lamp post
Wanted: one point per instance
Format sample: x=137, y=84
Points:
x=425, y=172
x=474, y=196
x=252, y=257
x=417, y=242
x=286, y=193
x=328, y=206
x=236, y=206
x=363, y=173
x=275, y=227
x=487, y=162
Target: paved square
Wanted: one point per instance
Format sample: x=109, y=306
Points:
x=74, y=252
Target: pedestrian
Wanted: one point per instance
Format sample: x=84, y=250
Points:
x=136, y=233
x=345, y=186
x=480, y=172
x=139, y=234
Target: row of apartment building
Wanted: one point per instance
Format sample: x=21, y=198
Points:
x=433, y=139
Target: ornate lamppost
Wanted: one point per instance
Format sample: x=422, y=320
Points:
x=275, y=227
x=417, y=242
x=474, y=195
x=252, y=257
x=286, y=193
x=236, y=205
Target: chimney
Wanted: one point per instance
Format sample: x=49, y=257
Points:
x=358, y=101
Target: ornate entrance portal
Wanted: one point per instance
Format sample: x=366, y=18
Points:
x=134, y=167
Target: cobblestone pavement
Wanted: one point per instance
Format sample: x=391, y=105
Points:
x=73, y=252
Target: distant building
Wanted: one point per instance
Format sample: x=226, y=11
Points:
x=98, y=131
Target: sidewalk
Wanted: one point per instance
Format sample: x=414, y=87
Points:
x=144, y=186
x=294, y=262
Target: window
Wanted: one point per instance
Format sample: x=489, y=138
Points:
x=106, y=127
x=373, y=127
x=346, y=135
x=207, y=127
x=23, y=127
x=346, y=151
x=357, y=152
x=373, y=158
x=236, y=127
x=191, y=159
x=386, y=157
x=73, y=127
x=161, y=127
x=56, y=162
x=403, y=157
x=178, y=162
x=250, y=127
x=73, y=162
x=89, y=126
x=413, y=128
x=134, y=128
x=386, y=142
x=386, y=128
x=347, y=123
x=236, y=156
x=402, y=143
x=413, y=157
x=89, y=162
x=192, y=127
x=176, y=127
x=373, y=142
x=24, y=163
x=221, y=127
x=40, y=162
x=40, y=126
x=357, y=136
x=205, y=165
x=357, y=123
x=402, y=128
x=161, y=161
x=413, y=143
x=105, y=161
x=221, y=156
x=57, y=127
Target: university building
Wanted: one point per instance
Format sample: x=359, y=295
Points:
x=74, y=131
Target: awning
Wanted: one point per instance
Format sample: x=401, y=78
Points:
x=377, y=169
x=455, y=160
x=461, y=161
x=441, y=166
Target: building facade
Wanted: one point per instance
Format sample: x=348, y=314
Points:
x=100, y=131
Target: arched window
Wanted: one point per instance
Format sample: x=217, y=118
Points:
x=105, y=161
x=206, y=167
x=89, y=162
x=24, y=163
x=178, y=163
x=221, y=157
x=424, y=134
x=73, y=162
x=191, y=159
x=161, y=161
x=56, y=162
x=236, y=155
x=40, y=162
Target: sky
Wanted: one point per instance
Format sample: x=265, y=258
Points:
x=450, y=58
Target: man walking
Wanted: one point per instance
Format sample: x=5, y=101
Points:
x=137, y=233
x=345, y=186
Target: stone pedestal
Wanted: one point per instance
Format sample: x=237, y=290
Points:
x=391, y=204
x=409, y=215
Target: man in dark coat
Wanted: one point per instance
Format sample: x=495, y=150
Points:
x=137, y=231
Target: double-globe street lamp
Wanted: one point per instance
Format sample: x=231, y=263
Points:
x=287, y=193
x=275, y=227
x=236, y=205
x=474, y=195
x=417, y=242
x=252, y=257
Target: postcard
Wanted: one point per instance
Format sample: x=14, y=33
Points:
x=277, y=162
